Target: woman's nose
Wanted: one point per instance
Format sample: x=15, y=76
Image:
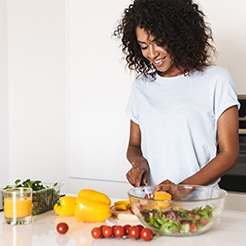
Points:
x=153, y=52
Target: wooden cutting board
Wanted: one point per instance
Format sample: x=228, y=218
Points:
x=123, y=215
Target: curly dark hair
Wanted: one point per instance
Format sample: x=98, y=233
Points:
x=177, y=25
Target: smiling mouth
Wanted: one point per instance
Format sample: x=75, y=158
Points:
x=158, y=62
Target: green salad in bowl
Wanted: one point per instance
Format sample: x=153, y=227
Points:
x=180, y=210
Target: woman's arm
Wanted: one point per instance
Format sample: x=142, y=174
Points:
x=139, y=173
x=229, y=149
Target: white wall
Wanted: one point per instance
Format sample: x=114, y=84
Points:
x=3, y=95
x=228, y=22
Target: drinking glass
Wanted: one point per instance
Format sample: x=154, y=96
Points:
x=17, y=206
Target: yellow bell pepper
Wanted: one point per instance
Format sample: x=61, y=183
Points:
x=94, y=195
x=122, y=205
x=65, y=206
x=92, y=206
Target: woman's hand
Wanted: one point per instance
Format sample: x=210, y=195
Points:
x=177, y=192
x=139, y=174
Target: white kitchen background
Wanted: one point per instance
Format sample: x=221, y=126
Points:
x=64, y=89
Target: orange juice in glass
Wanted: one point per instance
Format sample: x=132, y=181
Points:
x=17, y=205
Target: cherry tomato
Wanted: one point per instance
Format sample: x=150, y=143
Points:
x=140, y=227
x=62, y=228
x=146, y=234
x=113, y=230
x=119, y=231
x=134, y=232
x=101, y=227
x=107, y=231
x=126, y=227
x=96, y=232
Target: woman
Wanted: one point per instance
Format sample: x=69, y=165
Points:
x=181, y=106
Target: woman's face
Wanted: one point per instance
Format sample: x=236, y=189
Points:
x=157, y=55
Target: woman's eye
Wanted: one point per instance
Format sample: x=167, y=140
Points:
x=143, y=47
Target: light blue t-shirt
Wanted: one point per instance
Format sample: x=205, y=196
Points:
x=178, y=120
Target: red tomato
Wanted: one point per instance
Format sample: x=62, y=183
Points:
x=203, y=221
x=62, y=228
x=119, y=231
x=131, y=211
x=193, y=227
x=146, y=234
x=134, y=232
x=146, y=196
x=149, y=196
x=126, y=227
x=140, y=227
x=101, y=227
x=96, y=232
x=107, y=231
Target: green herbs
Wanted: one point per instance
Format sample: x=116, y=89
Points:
x=177, y=220
x=34, y=184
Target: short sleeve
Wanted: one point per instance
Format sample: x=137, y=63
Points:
x=132, y=106
x=225, y=95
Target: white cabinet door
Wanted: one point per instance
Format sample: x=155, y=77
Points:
x=98, y=89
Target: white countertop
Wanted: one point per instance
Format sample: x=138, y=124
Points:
x=230, y=229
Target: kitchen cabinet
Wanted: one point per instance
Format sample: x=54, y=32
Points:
x=111, y=188
x=32, y=90
x=98, y=89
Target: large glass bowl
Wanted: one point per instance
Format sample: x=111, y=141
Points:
x=192, y=209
